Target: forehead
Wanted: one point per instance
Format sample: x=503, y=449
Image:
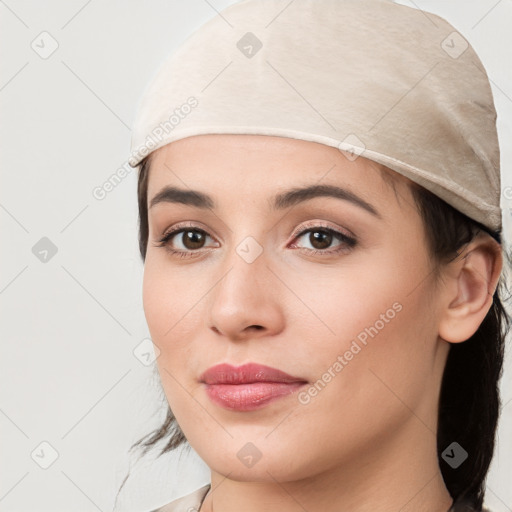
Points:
x=250, y=166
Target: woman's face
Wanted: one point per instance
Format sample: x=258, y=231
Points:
x=352, y=315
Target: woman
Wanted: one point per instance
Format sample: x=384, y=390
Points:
x=320, y=224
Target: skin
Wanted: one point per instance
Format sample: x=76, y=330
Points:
x=367, y=440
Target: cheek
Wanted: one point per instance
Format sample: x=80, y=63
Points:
x=357, y=388
x=174, y=307
x=376, y=351
x=157, y=298
x=168, y=300
x=168, y=296
x=374, y=316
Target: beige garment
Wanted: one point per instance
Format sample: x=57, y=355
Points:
x=192, y=503
x=390, y=82
x=189, y=503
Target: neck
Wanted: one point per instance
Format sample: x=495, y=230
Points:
x=401, y=473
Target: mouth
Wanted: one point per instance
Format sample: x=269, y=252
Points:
x=248, y=387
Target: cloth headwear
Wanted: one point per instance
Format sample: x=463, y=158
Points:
x=388, y=82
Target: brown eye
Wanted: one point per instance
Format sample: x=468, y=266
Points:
x=320, y=239
x=193, y=239
x=184, y=239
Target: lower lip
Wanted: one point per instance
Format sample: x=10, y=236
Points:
x=248, y=397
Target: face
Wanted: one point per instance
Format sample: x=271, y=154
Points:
x=332, y=286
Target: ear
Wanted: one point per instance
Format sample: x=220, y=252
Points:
x=469, y=283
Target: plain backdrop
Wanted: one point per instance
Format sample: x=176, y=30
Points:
x=76, y=388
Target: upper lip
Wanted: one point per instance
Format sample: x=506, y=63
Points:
x=251, y=372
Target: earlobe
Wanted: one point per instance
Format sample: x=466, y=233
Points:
x=469, y=288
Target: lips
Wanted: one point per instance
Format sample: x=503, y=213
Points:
x=248, y=387
x=245, y=374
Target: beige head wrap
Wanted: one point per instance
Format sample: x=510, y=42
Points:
x=392, y=83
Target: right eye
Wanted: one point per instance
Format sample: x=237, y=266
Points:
x=190, y=240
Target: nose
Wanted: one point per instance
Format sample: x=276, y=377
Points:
x=245, y=302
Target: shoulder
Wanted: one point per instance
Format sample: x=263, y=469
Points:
x=188, y=503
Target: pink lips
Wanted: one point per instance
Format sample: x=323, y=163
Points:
x=247, y=387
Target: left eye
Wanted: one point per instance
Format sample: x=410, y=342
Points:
x=321, y=238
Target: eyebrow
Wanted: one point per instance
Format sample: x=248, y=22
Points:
x=170, y=194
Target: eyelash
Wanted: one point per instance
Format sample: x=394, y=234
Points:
x=347, y=244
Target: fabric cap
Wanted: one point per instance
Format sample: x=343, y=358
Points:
x=392, y=83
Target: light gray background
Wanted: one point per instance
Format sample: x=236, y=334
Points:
x=70, y=325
